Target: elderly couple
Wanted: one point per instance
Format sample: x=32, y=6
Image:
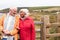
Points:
x=10, y=23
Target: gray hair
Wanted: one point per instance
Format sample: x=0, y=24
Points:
x=26, y=11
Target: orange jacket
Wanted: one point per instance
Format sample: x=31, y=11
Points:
x=14, y=32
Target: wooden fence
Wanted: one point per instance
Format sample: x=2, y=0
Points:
x=46, y=25
x=45, y=35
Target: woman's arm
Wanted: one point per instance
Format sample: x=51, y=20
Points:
x=33, y=30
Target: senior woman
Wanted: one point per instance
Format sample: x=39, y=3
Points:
x=26, y=25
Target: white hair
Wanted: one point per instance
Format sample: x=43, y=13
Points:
x=13, y=8
x=26, y=11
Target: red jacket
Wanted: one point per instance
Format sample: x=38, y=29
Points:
x=27, y=29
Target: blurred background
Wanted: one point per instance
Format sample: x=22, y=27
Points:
x=36, y=13
x=37, y=8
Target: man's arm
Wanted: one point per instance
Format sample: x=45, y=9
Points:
x=1, y=22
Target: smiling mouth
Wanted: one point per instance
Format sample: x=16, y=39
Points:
x=14, y=13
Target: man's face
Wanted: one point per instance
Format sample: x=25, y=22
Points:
x=13, y=11
x=22, y=14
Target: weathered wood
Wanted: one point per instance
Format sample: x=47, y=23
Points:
x=43, y=28
x=38, y=22
x=55, y=23
x=38, y=30
x=58, y=20
x=46, y=24
x=58, y=17
x=53, y=35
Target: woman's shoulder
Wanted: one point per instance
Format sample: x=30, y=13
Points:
x=30, y=18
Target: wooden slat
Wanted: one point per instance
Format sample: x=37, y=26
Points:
x=43, y=28
x=38, y=22
x=37, y=37
x=55, y=24
x=38, y=30
x=53, y=35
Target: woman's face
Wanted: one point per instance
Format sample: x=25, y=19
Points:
x=22, y=14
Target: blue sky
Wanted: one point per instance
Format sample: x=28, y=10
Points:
x=28, y=3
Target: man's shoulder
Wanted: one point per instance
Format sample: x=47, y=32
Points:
x=17, y=16
x=4, y=15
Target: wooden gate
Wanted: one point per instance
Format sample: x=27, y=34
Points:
x=47, y=25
